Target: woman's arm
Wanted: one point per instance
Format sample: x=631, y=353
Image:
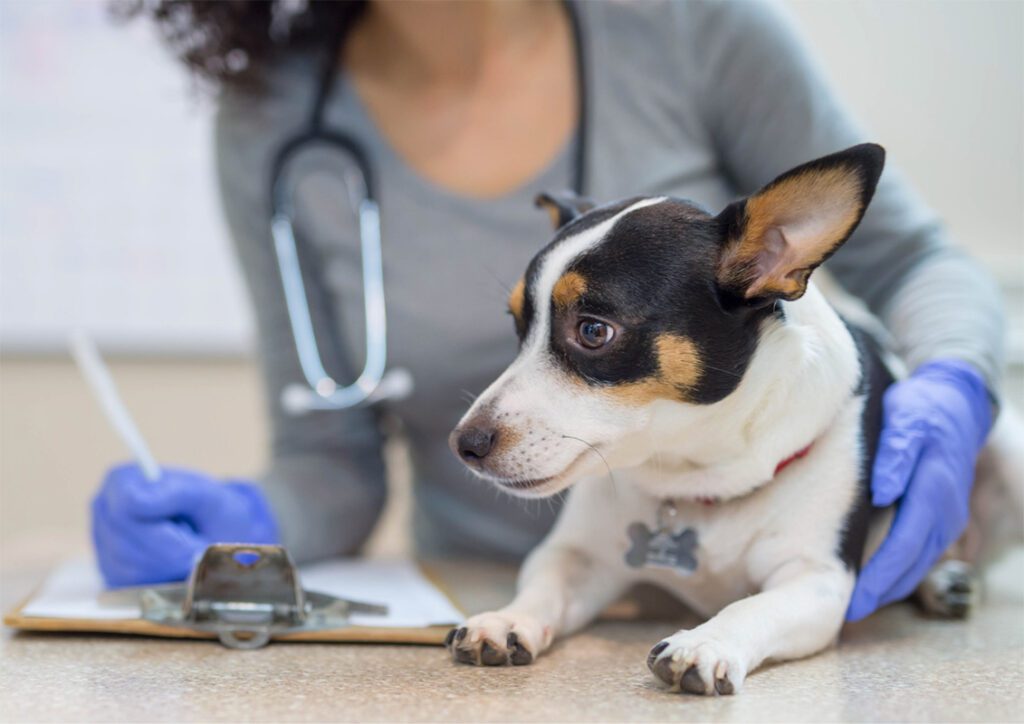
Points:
x=326, y=482
x=768, y=110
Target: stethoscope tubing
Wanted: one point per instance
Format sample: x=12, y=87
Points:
x=374, y=384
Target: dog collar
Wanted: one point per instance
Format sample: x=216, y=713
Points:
x=801, y=453
x=783, y=464
x=668, y=546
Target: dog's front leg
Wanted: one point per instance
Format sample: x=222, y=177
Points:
x=799, y=612
x=561, y=588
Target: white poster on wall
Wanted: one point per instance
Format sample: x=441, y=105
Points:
x=109, y=217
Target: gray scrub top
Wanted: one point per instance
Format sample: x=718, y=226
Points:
x=705, y=101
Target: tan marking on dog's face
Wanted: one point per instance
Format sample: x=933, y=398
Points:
x=816, y=209
x=679, y=368
x=678, y=360
x=516, y=299
x=568, y=290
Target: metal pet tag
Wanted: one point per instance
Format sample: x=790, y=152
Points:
x=662, y=548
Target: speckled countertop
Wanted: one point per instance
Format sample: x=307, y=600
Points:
x=895, y=666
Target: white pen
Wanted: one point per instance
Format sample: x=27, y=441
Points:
x=83, y=349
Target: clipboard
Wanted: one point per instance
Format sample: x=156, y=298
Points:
x=247, y=596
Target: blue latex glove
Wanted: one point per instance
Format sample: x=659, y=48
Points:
x=151, y=532
x=934, y=424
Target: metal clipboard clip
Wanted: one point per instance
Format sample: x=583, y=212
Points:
x=246, y=594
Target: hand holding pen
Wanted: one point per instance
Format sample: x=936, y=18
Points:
x=149, y=523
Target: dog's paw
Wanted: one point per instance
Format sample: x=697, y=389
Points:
x=949, y=590
x=497, y=639
x=697, y=664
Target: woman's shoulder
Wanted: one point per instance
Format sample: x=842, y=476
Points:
x=671, y=24
x=656, y=13
x=270, y=107
x=687, y=46
x=251, y=122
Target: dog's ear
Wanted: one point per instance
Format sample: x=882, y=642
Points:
x=563, y=207
x=773, y=240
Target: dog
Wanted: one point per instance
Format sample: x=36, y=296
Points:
x=715, y=415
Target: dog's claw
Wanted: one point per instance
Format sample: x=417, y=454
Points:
x=653, y=656
x=949, y=590
x=497, y=639
x=518, y=654
x=958, y=605
x=960, y=585
x=692, y=663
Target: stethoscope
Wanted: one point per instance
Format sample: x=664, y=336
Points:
x=375, y=383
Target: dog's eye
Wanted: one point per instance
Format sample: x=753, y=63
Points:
x=594, y=334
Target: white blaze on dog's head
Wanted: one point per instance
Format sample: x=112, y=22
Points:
x=647, y=301
x=535, y=423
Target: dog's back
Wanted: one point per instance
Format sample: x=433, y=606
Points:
x=875, y=380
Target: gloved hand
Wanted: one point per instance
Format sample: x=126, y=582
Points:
x=151, y=532
x=934, y=424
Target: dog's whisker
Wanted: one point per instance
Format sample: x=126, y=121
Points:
x=737, y=375
x=493, y=274
x=611, y=475
x=596, y=452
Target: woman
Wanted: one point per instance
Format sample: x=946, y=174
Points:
x=466, y=111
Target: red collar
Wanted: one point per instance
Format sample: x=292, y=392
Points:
x=785, y=463
x=791, y=459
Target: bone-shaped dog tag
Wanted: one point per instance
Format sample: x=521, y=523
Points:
x=661, y=548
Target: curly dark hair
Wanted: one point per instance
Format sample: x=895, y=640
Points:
x=233, y=41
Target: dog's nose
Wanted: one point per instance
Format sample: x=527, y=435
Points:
x=473, y=443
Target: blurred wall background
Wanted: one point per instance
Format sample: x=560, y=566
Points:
x=109, y=219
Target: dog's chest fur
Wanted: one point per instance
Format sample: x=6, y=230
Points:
x=802, y=512
x=764, y=519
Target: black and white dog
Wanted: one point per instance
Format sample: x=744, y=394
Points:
x=715, y=413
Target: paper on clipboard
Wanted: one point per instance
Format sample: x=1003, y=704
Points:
x=74, y=591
